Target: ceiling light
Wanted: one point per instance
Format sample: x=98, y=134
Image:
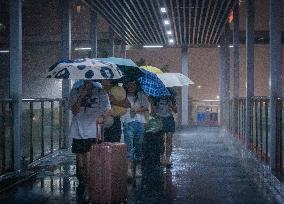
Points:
x=218, y=46
x=171, y=41
x=169, y=32
x=153, y=46
x=83, y=48
x=4, y=51
x=231, y=45
x=166, y=22
x=163, y=10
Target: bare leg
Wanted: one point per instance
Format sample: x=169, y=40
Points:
x=169, y=147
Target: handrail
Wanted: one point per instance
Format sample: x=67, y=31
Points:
x=42, y=130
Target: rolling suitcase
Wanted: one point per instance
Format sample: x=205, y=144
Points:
x=108, y=172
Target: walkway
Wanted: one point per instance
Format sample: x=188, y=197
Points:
x=205, y=170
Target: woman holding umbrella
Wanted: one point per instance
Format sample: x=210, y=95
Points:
x=133, y=125
x=90, y=105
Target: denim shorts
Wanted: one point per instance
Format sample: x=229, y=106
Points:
x=168, y=124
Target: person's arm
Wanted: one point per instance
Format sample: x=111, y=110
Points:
x=144, y=104
x=173, y=106
x=105, y=107
x=74, y=103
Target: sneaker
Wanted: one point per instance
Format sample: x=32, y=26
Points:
x=129, y=173
x=169, y=165
x=138, y=171
x=86, y=196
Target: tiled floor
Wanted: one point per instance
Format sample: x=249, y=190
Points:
x=204, y=171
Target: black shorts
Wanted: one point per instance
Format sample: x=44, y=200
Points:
x=82, y=146
x=168, y=124
x=113, y=133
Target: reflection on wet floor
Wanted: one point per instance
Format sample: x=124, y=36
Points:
x=204, y=171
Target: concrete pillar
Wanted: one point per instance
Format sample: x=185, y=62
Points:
x=93, y=34
x=123, y=50
x=236, y=66
x=249, y=68
x=66, y=54
x=111, y=43
x=275, y=80
x=224, y=77
x=16, y=77
x=185, y=89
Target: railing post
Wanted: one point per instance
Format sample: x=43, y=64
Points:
x=60, y=123
x=261, y=128
x=31, y=132
x=266, y=130
x=51, y=126
x=3, y=138
x=42, y=127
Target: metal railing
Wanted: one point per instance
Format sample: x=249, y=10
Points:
x=42, y=130
x=259, y=140
x=6, y=136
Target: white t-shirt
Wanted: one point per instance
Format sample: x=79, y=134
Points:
x=83, y=125
x=140, y=101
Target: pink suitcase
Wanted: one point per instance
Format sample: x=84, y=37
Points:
x=108, y=173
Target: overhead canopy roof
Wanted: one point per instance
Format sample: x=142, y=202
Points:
x=141, y=22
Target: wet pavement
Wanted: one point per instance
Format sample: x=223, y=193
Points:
x=205, y=170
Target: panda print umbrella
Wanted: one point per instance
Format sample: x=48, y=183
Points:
x=86, y=69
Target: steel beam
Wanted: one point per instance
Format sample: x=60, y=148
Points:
x=111, y=43
x=16, y=77
x=185, y=89
x=236, y=64
x=93, y=34
x=224, y=77
x=66, y=54
x=275, y=80
x=249, y=68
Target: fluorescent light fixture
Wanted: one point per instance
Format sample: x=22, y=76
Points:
x=171, y=41
x=169, y=32
x=4, y=51
x=153, y=46
x=163, y=10
x=82, y=48
x=166, y=22
x=231, y=45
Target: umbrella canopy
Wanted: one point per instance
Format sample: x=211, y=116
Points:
x=152, y=69
x=127, y=66
x=152, y=85
x=174, y=79
x=84, y=69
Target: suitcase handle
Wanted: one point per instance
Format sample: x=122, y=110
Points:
x=100, y=133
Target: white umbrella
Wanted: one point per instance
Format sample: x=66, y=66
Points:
x=174, y=79
x=84, y=69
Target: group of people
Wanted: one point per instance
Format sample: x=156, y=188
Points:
x=120, y=109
